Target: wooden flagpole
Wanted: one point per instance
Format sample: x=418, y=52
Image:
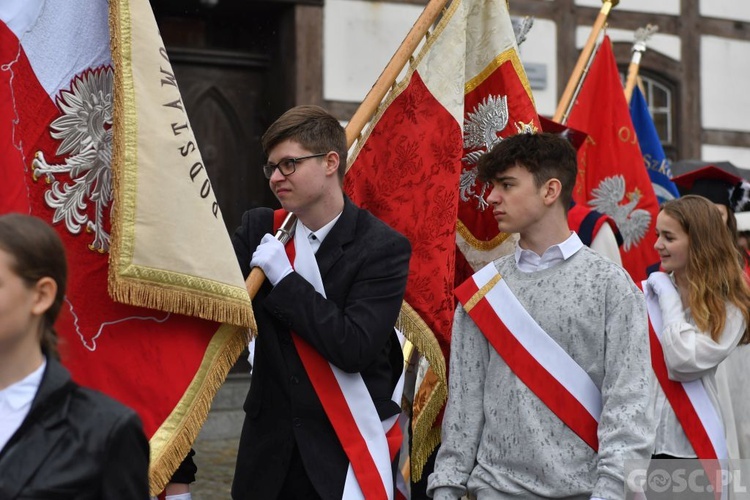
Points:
x=366, y=111
x=642, y=36
x=561, y=114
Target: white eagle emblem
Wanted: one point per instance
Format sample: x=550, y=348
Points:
x=85, y=129
x=632, y=222
x=482, y=127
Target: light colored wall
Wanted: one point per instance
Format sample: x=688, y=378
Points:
x=669, y=45
x=738, y=10
x=359, y=38
x=725, y=79
x=540, y=47
x=656, y=6
x=740, y=157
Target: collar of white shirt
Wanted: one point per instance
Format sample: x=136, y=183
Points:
x=528, y=261
x=20, y=394
x=317, y=237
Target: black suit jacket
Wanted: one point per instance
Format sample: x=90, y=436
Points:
x=364, y=266
x=75, y=443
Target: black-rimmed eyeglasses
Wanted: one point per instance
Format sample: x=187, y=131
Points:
x=287, y=166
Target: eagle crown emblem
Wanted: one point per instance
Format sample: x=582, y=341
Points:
x=482, y=127
x=632, y=222
x=85, y=129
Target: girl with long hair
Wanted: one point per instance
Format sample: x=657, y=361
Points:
x=704, y=301
x=57, y=439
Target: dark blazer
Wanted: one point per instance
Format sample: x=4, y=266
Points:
x=364, y=265
x=75, y=443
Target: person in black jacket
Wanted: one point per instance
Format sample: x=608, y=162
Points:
x=57, y=440
x=333, y=295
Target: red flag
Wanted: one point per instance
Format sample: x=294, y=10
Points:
x=611, y=176
x=60, y=131
x=415, y=168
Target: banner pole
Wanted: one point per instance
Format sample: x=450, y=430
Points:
x=366, y=110
x=583, y=61
x=642, y=35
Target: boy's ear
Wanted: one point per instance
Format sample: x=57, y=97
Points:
x=551, y=191
x=332, y=162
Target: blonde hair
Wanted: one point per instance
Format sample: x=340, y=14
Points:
x=713, y=270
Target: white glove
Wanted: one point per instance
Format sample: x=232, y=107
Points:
x=271, y=257
x=669, y=298
x=181, y=496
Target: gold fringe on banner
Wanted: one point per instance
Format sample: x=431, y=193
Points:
x=171, y=443
x=429, y=400
x=141, y=285
x=418, y=333
x=432, y=393
x=479, y=244
x=176, y=299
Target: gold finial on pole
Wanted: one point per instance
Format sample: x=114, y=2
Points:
x=642, y=36
x=583, y=61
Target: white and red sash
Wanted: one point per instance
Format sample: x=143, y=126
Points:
x=532, y=355
x=369, y=444
x=689, y=400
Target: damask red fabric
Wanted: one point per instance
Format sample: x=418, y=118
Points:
x=612, y=152
x=407, y=175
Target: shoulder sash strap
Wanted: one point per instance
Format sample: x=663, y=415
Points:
x=689, y=400
x=369, y=444
x=533, y=356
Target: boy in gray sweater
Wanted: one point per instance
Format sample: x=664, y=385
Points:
x=550, y=372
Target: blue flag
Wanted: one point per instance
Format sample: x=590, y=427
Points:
x=658, y=166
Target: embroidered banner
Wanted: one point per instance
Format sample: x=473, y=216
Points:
x=611, y=176
x=415, y=168
x=66, y=110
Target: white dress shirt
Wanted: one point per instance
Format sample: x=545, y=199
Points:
x=528, y=261
x=317, y=237
x=15, y=403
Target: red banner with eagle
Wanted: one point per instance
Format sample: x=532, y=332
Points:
x=415, y=168
x=612, y=178
x=94, y=140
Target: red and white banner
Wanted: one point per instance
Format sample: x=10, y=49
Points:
x=533, y=356
x=612, y=178
x=415, y=168
x=64, y=116
x=370, y=445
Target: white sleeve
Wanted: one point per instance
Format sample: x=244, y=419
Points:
x=690, y=354
x=605, y=243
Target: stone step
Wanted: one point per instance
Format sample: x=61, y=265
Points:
x=226, y=416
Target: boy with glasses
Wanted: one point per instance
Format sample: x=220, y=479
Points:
x=327, y=359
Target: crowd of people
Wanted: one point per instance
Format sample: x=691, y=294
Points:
x=562, y=369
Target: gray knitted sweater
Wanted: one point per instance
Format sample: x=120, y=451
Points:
x=500, y=440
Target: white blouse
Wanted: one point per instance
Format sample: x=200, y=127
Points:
x=15, y=403
x=691, y=354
